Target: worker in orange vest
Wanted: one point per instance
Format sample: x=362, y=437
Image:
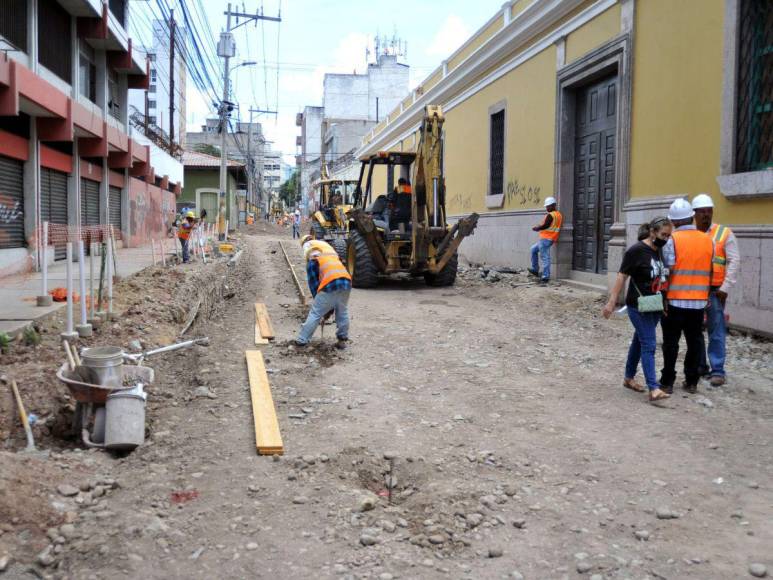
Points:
x=330, y=285
x=724, y=272
x=549, y=231
x=688, y=255
x=184, y=233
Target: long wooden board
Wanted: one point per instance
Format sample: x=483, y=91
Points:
x=264, y=321
x=298, y=286
x=268, y=439
x=259, y=338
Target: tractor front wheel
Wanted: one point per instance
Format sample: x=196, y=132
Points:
x=341, y=248
x=360, y=263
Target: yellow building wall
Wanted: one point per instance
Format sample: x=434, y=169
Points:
x=677, y=98
x=593, y=34
x=529, y=91
x=476, y=43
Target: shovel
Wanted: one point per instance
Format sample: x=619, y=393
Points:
x=139, y=357
x=22, y=416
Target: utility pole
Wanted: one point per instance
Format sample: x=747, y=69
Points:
x=226, y=49
x=171, y=78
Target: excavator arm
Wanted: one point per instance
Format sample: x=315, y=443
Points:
x=429, y=203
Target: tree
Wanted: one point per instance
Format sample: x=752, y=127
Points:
x=207, y=148
x=288, y=191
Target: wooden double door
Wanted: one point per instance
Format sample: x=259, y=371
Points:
x=595, y=156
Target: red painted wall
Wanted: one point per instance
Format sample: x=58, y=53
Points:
x=151, y=212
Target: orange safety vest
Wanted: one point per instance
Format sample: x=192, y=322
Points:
x=719, y=234
x=554, y=230
x=405, y=189
x=184, y=233
x=691, y=274
x=330, y=268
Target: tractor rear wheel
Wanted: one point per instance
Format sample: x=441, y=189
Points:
x=446, y=276
x=360, y=263
x=341, y=248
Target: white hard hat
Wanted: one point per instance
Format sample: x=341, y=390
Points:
x=680, y=210
x=702, y=200
x=550, y=201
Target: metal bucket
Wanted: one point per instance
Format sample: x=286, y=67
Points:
x=104, y=364
x=125, y=420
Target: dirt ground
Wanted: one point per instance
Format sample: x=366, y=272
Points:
x=478, y=431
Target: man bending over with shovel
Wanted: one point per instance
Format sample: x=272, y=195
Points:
x=330, y=285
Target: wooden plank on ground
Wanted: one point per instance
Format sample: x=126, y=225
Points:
x=264, y=321
x=259, y=338
x=268, y=439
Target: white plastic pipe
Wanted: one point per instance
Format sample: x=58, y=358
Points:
x=82, y=278
x=163, y=251
x=153, y=250
x=109, y=278
x=92, y=251
x=69, y=289
x=44, y=264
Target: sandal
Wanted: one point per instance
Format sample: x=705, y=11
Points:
x=633, y=385
x=659, y=396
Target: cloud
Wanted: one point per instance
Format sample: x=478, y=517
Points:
x=451, y=35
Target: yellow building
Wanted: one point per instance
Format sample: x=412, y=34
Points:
x=615, y=107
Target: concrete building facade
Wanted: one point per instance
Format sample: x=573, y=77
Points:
x=154, y=102
x=613, y=108
x=67, y=154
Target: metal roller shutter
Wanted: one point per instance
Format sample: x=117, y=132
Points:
x=11, y=203
x=53, y=205
x=115, y=209
x=89, y=202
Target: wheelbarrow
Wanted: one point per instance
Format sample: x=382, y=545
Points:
x=90, y=399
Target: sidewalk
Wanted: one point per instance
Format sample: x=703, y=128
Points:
x=18, y=293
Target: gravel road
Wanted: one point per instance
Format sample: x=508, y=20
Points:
x=479, y=431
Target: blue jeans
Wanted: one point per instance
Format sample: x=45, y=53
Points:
x=186, y=253
x=643, y=346
x=541, y=248
x=323, y=303
x=296, y=231
x=717, y=330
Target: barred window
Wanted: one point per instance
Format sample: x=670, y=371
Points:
x=497, y=154
x=754, y=138
x=13, y=23
x=55, y=39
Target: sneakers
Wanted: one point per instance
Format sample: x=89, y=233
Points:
x=533, y=272
x=300, y=344
x=342, y=343
x=668, y=389
x=543, y=282
x=717, y=381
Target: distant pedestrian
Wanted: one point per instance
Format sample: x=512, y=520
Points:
x=297, y=223
x=643, y=264
x=330, y=285
x=724, y=272
x=549, y=231
x=688, y=255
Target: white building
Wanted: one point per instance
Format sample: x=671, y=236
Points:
x=164, y=79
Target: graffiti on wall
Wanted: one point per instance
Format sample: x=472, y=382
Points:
x=10, y=210
x=461, y=201
x=522, y=194
x=151, y=212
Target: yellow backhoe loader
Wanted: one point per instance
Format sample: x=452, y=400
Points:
x=329, y=222
x=405, y=228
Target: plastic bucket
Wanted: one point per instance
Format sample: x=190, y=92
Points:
x=104, y=363
x=125, y=421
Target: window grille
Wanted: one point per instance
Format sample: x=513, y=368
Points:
x=55, y=39
x=13, y=23
x=754, y=138
x=497, y=155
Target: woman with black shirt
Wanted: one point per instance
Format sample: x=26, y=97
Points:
x=643, y=264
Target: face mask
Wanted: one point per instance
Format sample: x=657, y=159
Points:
x=659, y=243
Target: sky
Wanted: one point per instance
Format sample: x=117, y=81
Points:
x=320, y=36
